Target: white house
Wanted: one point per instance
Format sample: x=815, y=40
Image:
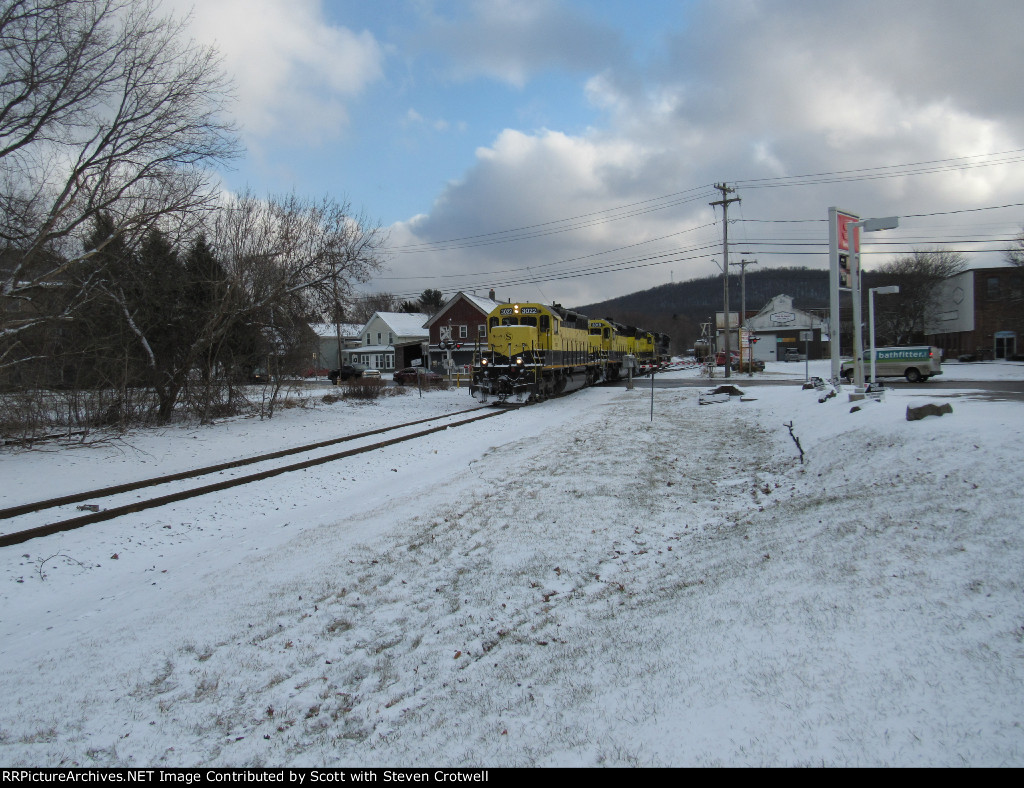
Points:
x=390, y=340
x=326, y=355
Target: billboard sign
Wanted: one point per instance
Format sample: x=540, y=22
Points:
x=840, y=273
x=843, y=233
x=844, y=220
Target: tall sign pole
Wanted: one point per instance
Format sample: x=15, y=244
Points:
x=724, y=202
x=839, y=246
x=844, y=236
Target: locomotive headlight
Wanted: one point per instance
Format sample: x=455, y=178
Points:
x=483, y=362
x=519, y=361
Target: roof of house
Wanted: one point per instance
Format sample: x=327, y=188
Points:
x=404, y=324
x=485, y=305
x=329, y=330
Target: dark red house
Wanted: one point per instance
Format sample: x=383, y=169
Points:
x=462, y=322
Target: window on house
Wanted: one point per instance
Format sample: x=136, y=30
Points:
x=463, y=332
x=482, y=330
x=391, y=338
x=367, y=339
x=993, y=287
x=378, y=337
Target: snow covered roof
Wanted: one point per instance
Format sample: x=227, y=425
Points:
x=329, y=330
x=485, y=305
x=405, y=324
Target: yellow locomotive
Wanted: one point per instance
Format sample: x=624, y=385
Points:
x=534, y=351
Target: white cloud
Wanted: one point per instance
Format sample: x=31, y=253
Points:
x=799, y=89
x=514, y=40
x=293, y=70
x=414, y=118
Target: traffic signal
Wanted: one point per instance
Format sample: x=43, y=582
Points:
x=458, y=345
x=844, y=270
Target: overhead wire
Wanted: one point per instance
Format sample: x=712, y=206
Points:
x=675, y=199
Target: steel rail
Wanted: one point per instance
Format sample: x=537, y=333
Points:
x=17, y=537
x=117, y=489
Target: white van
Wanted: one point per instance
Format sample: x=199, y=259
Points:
x=915, y=363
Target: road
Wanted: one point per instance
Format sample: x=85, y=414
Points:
x=996, y=389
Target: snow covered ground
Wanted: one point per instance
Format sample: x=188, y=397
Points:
x=568, y=584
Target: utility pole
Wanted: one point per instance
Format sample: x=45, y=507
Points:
x=724, y=202
x=743, y=310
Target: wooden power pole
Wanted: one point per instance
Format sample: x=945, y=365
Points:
x=724, y=202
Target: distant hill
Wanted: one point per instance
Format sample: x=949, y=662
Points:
x=678, y=309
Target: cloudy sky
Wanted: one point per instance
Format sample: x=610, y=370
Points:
x=567, y=150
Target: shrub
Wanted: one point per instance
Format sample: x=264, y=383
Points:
x=363, y=389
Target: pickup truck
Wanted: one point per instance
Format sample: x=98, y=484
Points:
x=915, y=363
x=345, y=372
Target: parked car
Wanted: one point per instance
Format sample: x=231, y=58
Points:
x=346, y=372
x=720, y=357
x=409, y=375
x=371, y=373
x=259, y=375
x=793, y=354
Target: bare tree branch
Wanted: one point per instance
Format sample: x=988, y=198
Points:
x=105, y=107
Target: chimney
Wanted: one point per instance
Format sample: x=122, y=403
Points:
x=491, y=294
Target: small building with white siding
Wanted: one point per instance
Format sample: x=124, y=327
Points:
x=326, y=356
x=778, y=326
x=390, y=340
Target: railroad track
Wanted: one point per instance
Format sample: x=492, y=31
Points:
x=96, y=516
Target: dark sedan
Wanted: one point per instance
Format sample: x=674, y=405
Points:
x=410, y=374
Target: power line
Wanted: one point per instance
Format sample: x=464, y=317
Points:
x=675, y=199
x=582, y=221
x=887, y=171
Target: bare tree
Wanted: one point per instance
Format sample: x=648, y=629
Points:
x=901, y=318
x=1015, y=254
x=364, y=307
x=291, y=244
x=285, y=258
x=105, y=108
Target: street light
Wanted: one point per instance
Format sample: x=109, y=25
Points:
x=889, y=290
x=869, y=226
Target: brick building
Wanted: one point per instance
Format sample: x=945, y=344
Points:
x=980, y=313
x=463, y=321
